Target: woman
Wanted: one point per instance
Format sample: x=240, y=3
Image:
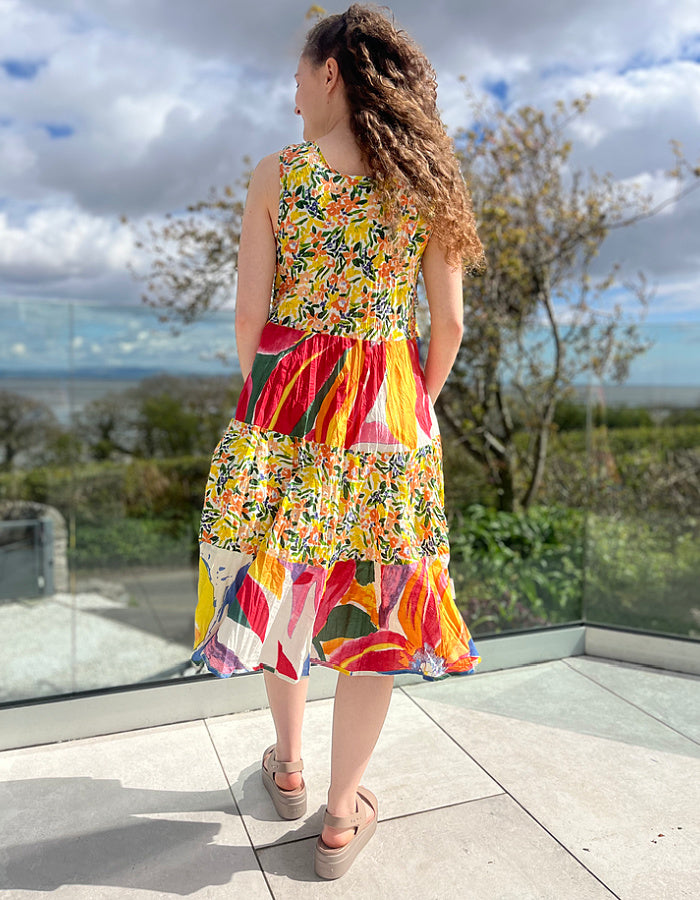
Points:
x=323, y=534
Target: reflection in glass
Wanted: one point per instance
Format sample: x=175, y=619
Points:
x=643, y=548
x=109, y=421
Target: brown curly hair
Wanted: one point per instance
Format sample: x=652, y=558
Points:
x=391, y=90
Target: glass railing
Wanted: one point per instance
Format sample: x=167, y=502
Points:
x=643, y=531
x=108, y=420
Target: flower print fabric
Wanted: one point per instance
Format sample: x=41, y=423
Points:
x=323, y=537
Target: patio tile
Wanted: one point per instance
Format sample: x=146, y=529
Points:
x=485, y=848
x=628, y=810
x=554, y=694
x=138, y=814
x=415, y=767
x=669, y=696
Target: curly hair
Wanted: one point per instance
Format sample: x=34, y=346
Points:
x=391, y=90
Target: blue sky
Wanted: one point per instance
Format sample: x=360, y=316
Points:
x=137, y=107
x=49, y=336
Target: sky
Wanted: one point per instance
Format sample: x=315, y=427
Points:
x=138, y=107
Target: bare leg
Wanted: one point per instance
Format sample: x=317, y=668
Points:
x=361, y=705
x=287, y=704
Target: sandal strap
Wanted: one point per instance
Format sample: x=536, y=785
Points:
x=342, y=822
x=274, y=765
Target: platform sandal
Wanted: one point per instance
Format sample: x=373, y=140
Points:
x=289, y=804
x=331, y=862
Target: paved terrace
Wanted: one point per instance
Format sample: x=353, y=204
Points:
x=572, y=779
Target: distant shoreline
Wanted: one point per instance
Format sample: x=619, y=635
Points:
x=68, y=392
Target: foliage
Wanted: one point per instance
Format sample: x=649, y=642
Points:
x=193, y=258
x=644, y=572
x=626, y=471
x=118, y=542
x=163, y=416
x=631, y=526
x=167, y=489
x=138, y=512
x=25, y=426
x=531, y=324
x=571, y=416
x=679, y=417
x=517, y=569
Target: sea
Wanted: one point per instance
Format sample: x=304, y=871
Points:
x=66, y=396
x=67, y=355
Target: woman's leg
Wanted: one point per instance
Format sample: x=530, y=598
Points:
x=287, y=704
x=361, y=704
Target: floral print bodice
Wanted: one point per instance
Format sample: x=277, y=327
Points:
x=340, y=269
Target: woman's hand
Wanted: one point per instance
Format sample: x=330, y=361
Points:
x=256, y=259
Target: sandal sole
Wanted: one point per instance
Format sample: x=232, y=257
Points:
x=288, y=807
x=331, y=863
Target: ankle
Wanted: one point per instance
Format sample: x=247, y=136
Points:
x=342, y=804
x=287, y=752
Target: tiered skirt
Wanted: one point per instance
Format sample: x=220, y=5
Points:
x=323, y=537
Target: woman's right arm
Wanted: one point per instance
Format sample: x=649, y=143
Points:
x=256, y=259
x=443, y=286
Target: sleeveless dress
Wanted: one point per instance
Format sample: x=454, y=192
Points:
x=323, y=535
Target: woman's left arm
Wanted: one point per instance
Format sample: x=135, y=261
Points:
x=256, y=259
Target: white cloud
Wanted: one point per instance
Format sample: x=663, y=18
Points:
x=58, y=242
x=165, y=97
x=18, y=349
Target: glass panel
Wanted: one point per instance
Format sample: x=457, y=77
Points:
x=517, y=529
x=643, y=537
x=151, y=409
x=512, y=570
x=109, y=423
x=37, y=456
x=134, y=413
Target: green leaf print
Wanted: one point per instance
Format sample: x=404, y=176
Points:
x=319, y=649
x=263, y=365
x=364, y=572
x=309, y=417
x=346, y=621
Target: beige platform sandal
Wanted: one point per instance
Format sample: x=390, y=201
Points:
x=289, y=804
x=331, y=862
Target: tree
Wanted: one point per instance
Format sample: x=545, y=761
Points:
x=26, y=425
x=193, y=258
x=106, y=426
x=161, y=416
x=531, y=323
x=181, y=416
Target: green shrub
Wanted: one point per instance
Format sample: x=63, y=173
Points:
x=119, y=542
x=513, y=570
x=644, y=572
x=680, y=417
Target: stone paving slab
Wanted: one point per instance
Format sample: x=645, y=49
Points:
x=415, y=767
x=487, y=848
x=553, y=693
x=550, y=781
x=142, y=814
x=625, y=801
x=671, y=697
